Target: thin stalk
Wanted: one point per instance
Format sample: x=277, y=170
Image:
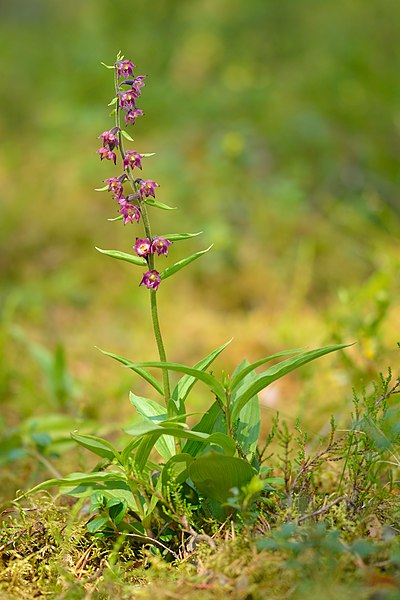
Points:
x=147, y=228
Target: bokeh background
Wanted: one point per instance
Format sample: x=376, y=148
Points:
x=276, y=132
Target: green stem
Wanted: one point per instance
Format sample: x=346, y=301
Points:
x=147, y=228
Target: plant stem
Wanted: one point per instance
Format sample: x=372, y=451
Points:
x=147, y=228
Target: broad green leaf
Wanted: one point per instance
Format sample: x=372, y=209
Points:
x=77, y=479
x=239, y=375
x=214, y=475
x=176, y=468
x=142, y=372
x=176, y=237
x=135, y=260
x=211, y=421
x=127, y=136
x=157, y=204
x=97, y=524
x=276, y=372
x=186, y=382
x=247, y=426
x=153, y=432
x=96, y=445
x=182, y=263
x=154, y=412
x=207, y=378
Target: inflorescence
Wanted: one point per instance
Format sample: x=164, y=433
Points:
x=131, y=206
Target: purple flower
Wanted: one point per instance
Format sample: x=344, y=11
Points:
x=128, y=100
x=109, y=138
x=132, y=159
x=124, y=68
x=137, y=84
x=108, y=154
x=147, y=188
x=151, y=280
x=115, y=185
x=142, y=247
x=130, y=212
x=160, y=245
x=130, y=117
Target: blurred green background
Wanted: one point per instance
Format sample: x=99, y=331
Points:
x=276, y=130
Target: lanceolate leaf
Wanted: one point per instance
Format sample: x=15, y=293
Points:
x=176, y=237
x=276, y=372
x=207, y=378
x=119, y=218
x=126, y=135
x=154, y=413
x=142, y=372
x=247, y=426
x=242, y=372
x=77, y=479
x=153, y=432
x=158, y=204
x=210, y=422
x=182, y=263
x=186, y=382
x=96, y=445
x=135, y=260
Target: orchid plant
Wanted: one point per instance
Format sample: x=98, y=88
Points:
x=168, y=470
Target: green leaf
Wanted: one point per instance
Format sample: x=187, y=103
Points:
x=154, y=412
x=107, y=66
x=77, y=479
x=147, y=154
x=276, y=372
x=241, y=374
x=157, y=204
x=119, y=218
x=113, y=101
x=207, y=424
x=96, y=445
x=176, y=237
x=182, y=263
x=176, y=468
x=142, y=372
x=126, y=135
x=207, y=378
x=103, y=189
x=186, y=382
x=117, y=509
x=136, y=260
x=151, y=432
x=247, y=426
x=214, y=475
x=97, y=524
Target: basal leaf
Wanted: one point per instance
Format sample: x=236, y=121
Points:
x=182, y=263
x=240, y=374
x=214, y=475
x=247, y=426
x=186, y=382
x=154, y=412
x=96, y=445
x=130, y=258
x=207, y=378
x=276, y=372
